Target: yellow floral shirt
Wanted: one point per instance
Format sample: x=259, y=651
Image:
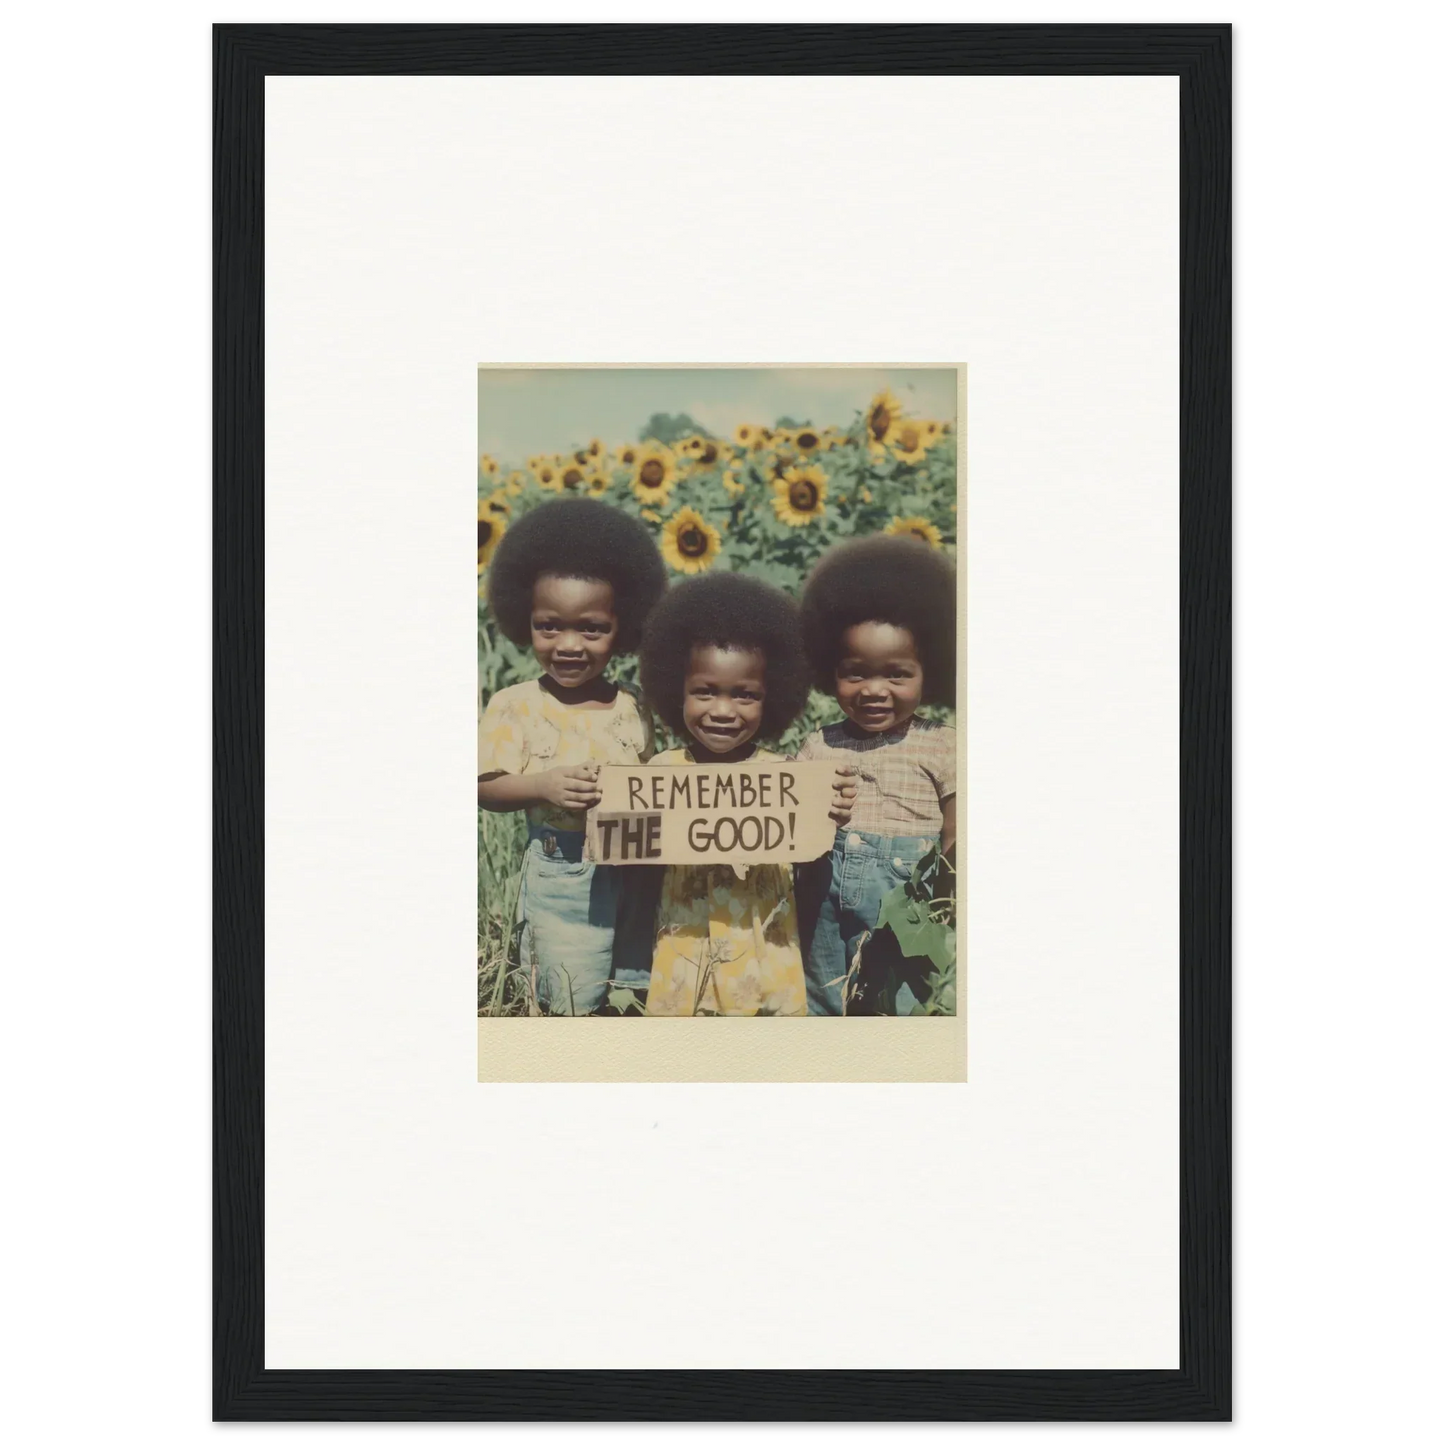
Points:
x=726, y=945
x=526, y=730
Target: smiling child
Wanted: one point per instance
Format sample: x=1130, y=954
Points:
x=575, y=580
x=878, y=620
x=723, y=664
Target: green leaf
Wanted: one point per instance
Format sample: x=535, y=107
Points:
x=623, y=999
x=897, y=909
x=926, y=939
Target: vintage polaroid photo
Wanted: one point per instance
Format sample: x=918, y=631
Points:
x=718, y=695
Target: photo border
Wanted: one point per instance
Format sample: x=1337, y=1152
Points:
x=243, y=56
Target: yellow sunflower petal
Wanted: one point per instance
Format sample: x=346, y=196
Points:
x=490, y=526
x=572, y=475
x=654, y=474
x=880, y=418
x=709, y=453
x=548, y=472
x=918, y=527
x=799, y=495
x=809, y=441
x=689, y=543
x=909, y=443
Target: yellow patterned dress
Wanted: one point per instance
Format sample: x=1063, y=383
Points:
x=726, y=945
x=524, y=729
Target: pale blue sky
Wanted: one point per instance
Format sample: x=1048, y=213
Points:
x=527, y=410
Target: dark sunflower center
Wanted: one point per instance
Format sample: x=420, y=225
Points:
x=803, y=496
x=484, y=533
x=909, y=439
x=692, y=542
x=808, y=439
x=572, y=476
x=709, y=453
x=650, y=474
x=878, y=422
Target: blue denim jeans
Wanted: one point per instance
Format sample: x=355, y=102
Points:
x=839, y=896
x=578, y=932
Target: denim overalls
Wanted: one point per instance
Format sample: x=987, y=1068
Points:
x=581, y=928
x=839, y=896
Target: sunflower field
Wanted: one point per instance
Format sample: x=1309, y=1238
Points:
x=768, y=500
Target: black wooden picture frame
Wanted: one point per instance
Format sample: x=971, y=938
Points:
x=243, y=1389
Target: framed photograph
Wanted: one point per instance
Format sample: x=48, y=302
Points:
x=846, y=1034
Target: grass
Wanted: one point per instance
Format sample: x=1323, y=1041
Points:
x=501, y=986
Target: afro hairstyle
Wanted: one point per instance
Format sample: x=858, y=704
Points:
x=898, y=580
x=729, y=610
x=576, y=537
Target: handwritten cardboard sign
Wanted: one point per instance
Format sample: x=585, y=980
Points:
x=736, y=813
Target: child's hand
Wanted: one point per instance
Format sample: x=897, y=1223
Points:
x=845, y=794
x=575, y=789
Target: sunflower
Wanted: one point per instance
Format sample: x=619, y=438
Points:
x=710, y=453
x=572, y=475
x=596, y=450
x=809, y=441
x=798, y=495
x=626, y=454
x=690, y=544
x=650, y=514
x=919, y=527
x=655, y=473
x=598, y=481
x=498, y=502
x=732, y=485
x=865, y=494
x=516, y=484
x=489, y=465
x=832, y=437
x=490, y=526
x=548, y=472
x=932, y=432
x=880, y=419
x=745, y=434
x=689, y=446
x=908, y=441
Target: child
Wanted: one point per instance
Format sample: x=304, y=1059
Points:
x=723, y=664
x=574, y=580
x=878, y=624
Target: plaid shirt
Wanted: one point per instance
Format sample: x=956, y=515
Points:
x=904, y=776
